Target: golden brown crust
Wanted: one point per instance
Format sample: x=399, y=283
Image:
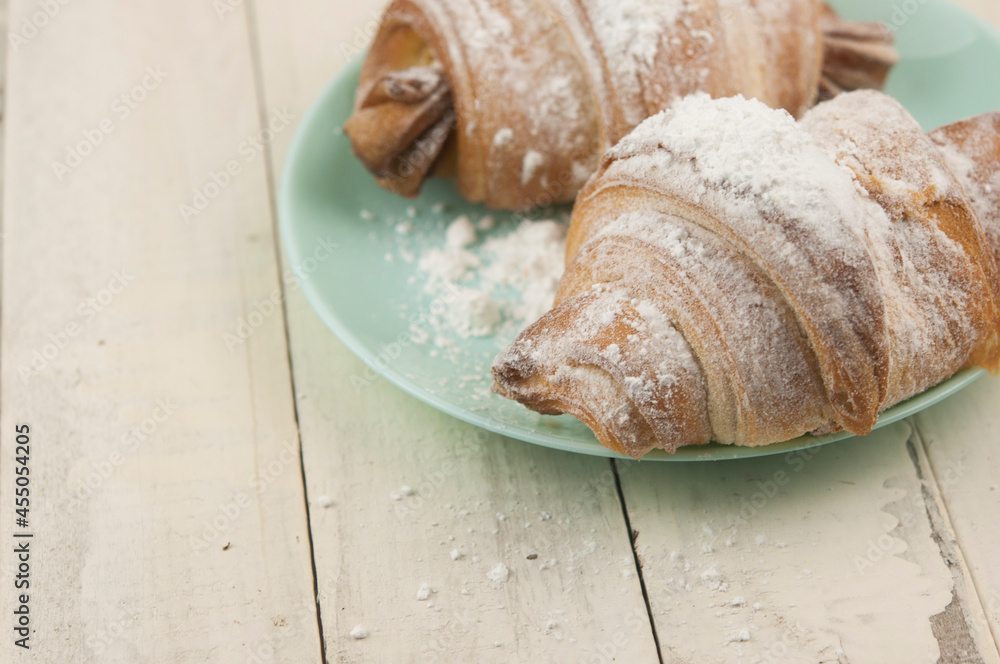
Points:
x=525, y=126
x=972, y=150
x=851, y=350
x=541, y=88
x=597, y=380
x=856, y=56
x=884, y=146
x=402, y=126
x=819, y=274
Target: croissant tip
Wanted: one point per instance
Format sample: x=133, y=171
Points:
x=857, y=55
x=510, y=370
x=401, y=124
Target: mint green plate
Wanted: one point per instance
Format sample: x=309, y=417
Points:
x=366, y=293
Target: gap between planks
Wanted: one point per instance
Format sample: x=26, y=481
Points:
x=967, y=589
x=253, y=32
x=632, y=536
x=340, y=571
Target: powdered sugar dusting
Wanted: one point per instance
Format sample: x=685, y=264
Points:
x=630, y=32
x=473, y=314
x=751, y=337
x=620, y=360
x=530, y=260
x=511, y=278
x=753, y=153
x=970, y=149
x=934, y=291
x=553, y=120
x=533, y=161
x=765, y=187
x=503, y=137
x=795, y=277
x=498, y=574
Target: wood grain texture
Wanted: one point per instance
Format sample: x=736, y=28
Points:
x=478, y=498
x=830, y=555
x=962, y=441
x=474, y=501
x=168, y=506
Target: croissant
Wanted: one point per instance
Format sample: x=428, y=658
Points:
x=737, y=276
x=518, y=99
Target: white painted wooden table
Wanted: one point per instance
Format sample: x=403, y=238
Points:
x=193, y=504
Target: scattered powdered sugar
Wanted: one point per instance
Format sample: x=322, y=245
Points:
x=741, y=637
x=359, y=632
x=630, y=33
x=473, y=313
x=533, y=161
x=531, y=260
x=460, y=234
x=712, y=578
x=499, y=285
x=423, y=593
x=498, y=574
x=503, y=137
x=447, y=266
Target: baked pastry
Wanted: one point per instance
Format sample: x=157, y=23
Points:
x=972, y=151
x=518, y=99
x=737, y=276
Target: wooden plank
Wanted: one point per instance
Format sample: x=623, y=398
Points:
x=578, y=600
x=167, y=508
x=831, y=555
x=962, y=441
x=478, y=501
